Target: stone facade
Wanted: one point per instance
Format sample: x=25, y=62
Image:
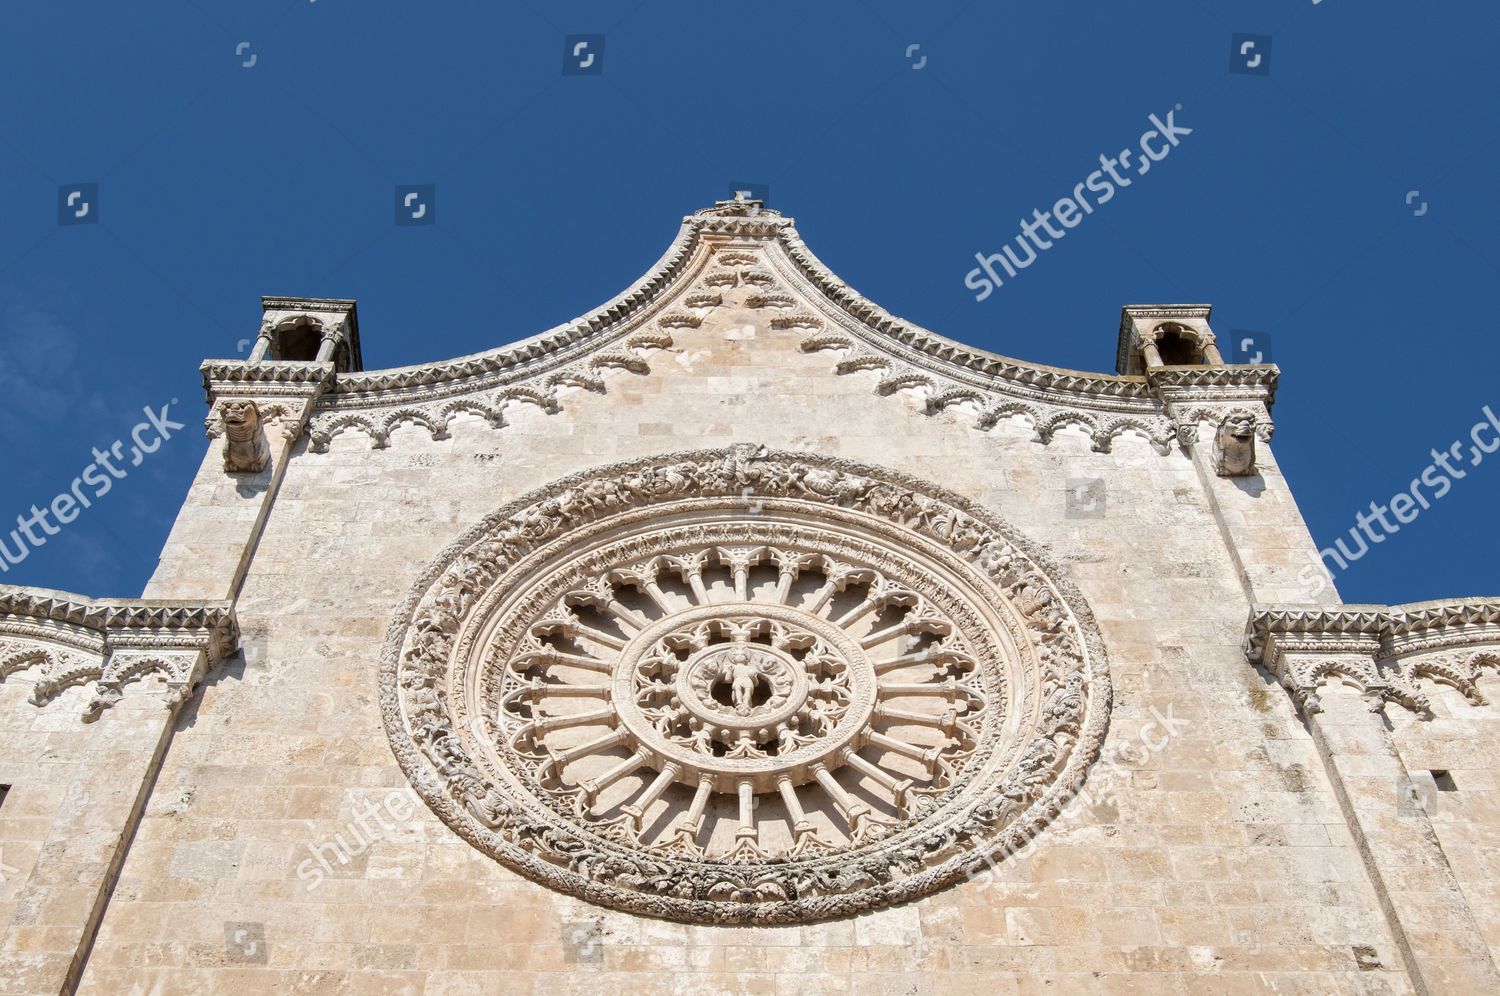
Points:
x=740, y=637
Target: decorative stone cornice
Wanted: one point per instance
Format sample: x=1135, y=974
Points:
x=672, y=298
x=1461, y=614
x=1227, y=397
x=1384, y=649
x=289, y=378
x=916, y=344
x=47, y=604
x=281, y=394
x=72, y=640
x=311, y=305
x=1241, y=382
x=522, y=360
x=1301, y=627
x=951, y=374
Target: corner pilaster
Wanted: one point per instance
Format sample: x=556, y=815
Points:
x=1310, y=647
x=131, y=664
x=259, y=409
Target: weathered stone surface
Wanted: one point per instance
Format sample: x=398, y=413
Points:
x=442, y=577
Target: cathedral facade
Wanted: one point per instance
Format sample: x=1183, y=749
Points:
x=741, y=637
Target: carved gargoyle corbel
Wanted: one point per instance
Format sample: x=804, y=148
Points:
x=246, y=450
x=1234, y=444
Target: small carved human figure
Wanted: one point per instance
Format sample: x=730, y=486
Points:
x=246, y=450
x=1234, y=444
x=742, y=676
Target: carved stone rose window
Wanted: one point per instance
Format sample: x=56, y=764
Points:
x=744, y=686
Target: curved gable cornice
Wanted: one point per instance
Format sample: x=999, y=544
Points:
x=739, y=244
x=556, y=346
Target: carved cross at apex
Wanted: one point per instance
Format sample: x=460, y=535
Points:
x=743, y=201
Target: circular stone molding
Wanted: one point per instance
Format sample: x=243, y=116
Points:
x=744, y=686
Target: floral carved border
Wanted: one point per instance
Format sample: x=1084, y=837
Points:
x=1062, y=643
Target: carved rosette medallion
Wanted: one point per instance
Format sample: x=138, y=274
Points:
x=735, y=685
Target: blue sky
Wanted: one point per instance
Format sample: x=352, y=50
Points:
x=1343, y=204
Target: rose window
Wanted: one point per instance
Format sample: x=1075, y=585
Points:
x=762, y=700
x=742, y=686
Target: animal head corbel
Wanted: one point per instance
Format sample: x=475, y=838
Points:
x=1234, y=444
x=246, y=450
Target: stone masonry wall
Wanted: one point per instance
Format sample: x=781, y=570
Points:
x=1462, y=739
x=1208, y=853
x=73, y=787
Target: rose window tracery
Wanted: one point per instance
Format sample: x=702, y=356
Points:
x=738, y=685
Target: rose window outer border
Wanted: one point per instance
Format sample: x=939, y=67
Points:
x=1068, y=658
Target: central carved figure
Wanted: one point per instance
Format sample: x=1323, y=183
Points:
x=742, y=677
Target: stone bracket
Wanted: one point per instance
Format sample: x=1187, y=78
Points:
x=253, y=404
x=114, y=643
x=1383, y=650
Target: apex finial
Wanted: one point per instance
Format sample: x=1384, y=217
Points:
x=740, y=204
